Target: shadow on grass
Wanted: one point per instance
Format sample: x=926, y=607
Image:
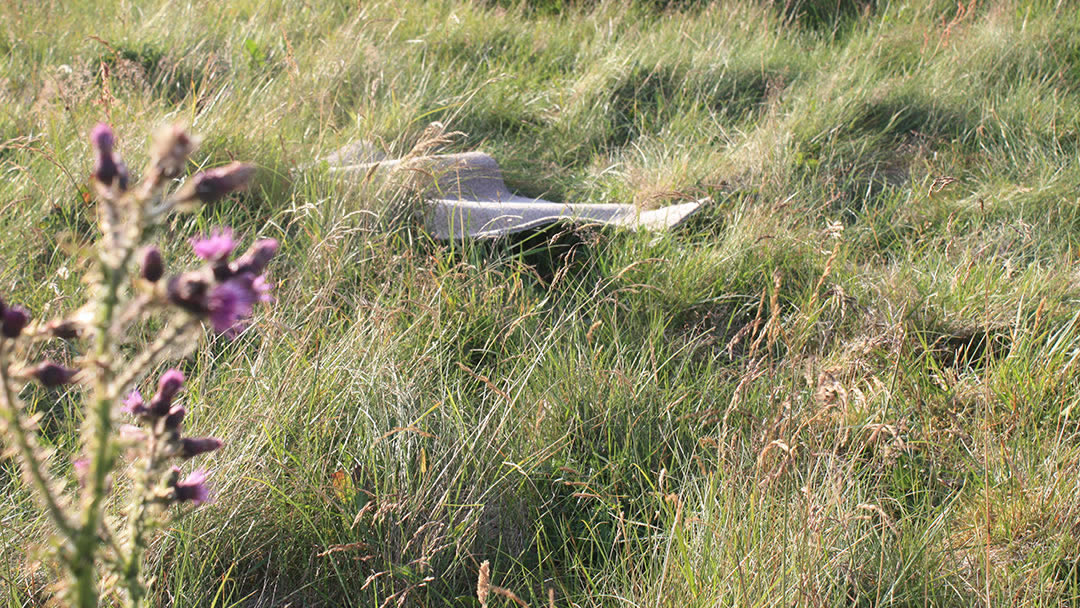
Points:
x=646, y=98
x=823, y=15
x=169, y=78
x=901, y=116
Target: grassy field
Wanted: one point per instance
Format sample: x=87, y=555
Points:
x=850, y=381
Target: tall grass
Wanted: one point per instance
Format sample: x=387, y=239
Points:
x=849, y=381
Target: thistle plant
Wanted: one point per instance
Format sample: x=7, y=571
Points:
x=126, y=434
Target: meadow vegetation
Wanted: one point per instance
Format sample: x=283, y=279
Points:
x=850, y=381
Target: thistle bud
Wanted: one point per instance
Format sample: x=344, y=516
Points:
x=209, y=186
x=63, y=329
x=256, y=259
x=171, y=149
x=108, y=168
x=153, y=267
x=193, y=446
x=189, y=291
x=50, y=374
x=192, y=488
x=15, y=319
x=175, y=418
x=169, y=384
x=102, y=138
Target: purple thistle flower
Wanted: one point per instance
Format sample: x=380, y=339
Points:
x=108, y=166
x=231, y=302
x=193, y=446
x=153, y=267
x=15, y=319
x=134, y=404
x=262, y=289
x=50, y=374
x=216, y=247
x=192, y=488
x=229, y=297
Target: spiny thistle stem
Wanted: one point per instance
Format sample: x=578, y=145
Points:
x=98, y=436
x=98, y=439
x=222, y=292
x=136, y=529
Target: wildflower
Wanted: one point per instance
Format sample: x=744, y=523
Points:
x=153, y=267
x=231, y=302
x=15, y=320
x=216, y=247
x=230, y=296
x=134, y=404
x=108, y=168
x=192, y=488
x=227, y=303
x=193, y=446
x=168, y=385
x=51, y=374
